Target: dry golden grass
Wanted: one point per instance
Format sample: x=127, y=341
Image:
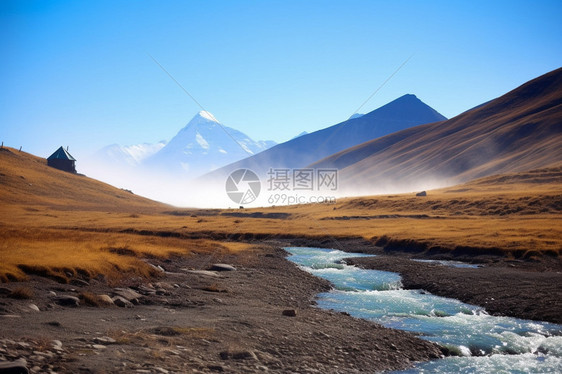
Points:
x=63, y=254
x=54, y=232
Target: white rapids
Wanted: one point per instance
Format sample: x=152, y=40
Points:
x=482, y=343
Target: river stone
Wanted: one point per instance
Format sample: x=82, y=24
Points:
x=105, y=299
x=128, y=294
x=57, y=344
x=14, y=367
x=146, y=289
x=238, y=355
x=104, y=340
x=122, y=302
x=207, y=273
x=290, y=313
x=67, y=301
x=158, y=268
x=222, y=267
x=33, y=307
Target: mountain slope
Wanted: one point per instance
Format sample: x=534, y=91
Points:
x=399, y=114
x=204, y=145
x=518, y=131
x=26, y=179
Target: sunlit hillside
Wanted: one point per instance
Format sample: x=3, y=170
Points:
x=516, y=132
x=65, y=226
x=54, y=223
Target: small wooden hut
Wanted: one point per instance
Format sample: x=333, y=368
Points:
x=62, y=160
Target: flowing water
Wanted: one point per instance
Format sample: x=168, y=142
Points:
x=483, y=343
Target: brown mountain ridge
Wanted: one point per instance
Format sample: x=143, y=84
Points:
x=521, y=130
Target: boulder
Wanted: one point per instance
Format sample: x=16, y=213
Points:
x=238, y=355
x=423, y=193
x=128, y=294
x=146, y=289
x=122, y=302
x=67, y=300
x=33, y=307
x=290, y=313
x=222, y=267
x=105, y=340
x=105, y=299
x=203, y=272
x=57, y=345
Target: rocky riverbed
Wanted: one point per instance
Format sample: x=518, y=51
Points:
x=258, y=316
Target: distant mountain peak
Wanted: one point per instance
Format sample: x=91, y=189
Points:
x=299, y=135
x=301, y=151
x=207, y=115
x=410, y=107
x=204, y=145
x=356, y=115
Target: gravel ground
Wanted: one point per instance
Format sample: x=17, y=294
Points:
x=259, y=317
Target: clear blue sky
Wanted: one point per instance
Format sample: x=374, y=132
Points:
x=78, y=73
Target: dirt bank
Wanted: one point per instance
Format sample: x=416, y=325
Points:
x=228, y=321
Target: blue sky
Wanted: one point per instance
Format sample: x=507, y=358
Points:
x=78, y=73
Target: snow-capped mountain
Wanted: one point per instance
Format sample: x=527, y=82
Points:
x=131, y=155
x=204, y=145
x=405, y=112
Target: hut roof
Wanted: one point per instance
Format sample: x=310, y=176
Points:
x=61, y=154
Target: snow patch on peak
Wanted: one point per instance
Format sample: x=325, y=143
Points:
x=201, y=141
x=207, y=115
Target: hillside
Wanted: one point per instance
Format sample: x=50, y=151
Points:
x=55, y=224
x=518, y=131
x=26, y=179
x=402, y=113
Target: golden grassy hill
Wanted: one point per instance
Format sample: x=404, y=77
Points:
x=68, y=226
x=57, y=224
x=26, y=179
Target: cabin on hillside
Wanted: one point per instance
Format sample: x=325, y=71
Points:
x=62, y=160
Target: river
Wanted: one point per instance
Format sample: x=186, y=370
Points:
x=482, y=343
